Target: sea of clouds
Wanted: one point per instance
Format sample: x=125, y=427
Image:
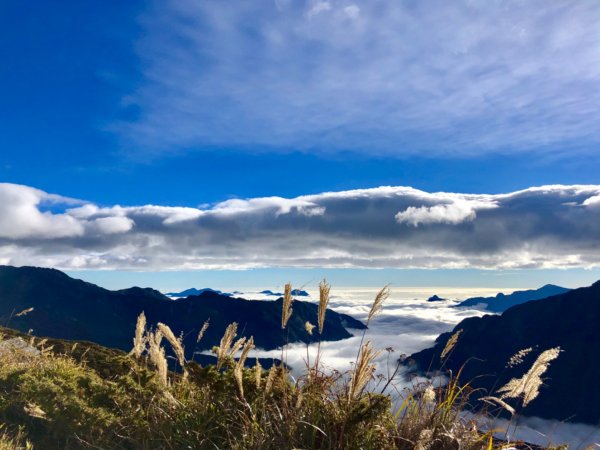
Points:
x=409, y=323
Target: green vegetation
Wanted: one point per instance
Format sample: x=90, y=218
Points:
x=62, y=395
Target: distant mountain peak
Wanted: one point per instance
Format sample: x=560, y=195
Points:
x=501, y=302
x=295, y=292
x=194, y=291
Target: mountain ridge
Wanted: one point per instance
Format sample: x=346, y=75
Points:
x=194, y=291
x=501, y=302
x=568, y=321
x=67, y=308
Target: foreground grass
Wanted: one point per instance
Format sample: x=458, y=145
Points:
x=56, y=394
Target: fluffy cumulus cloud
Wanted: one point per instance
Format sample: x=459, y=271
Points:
x=457, y=211
x=541, y=227
x=387, y=77
x=22, y=215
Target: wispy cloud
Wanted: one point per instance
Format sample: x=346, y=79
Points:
x=542, y=227
x=378, y=77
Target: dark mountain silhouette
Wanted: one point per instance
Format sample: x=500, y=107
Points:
x=435, y=298
x=66, y=308
x=194, y=291
x=569, y=321
x=501, y=302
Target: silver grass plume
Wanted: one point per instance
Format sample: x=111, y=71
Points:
x=517, y=358
x=227, y=348
x=286, y=309
x=528, y=386
x=324, y=290
x=202, y=330
x=157, y=356
x=139, y=339
x=238, y=370
x=362, y=371
x=450, y=344
x=377, y=305
x=176, y=345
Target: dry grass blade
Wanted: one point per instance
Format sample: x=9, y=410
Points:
x=498, y=401
x=377, y=306
x=139, y=340
x=362, y=371
x=324, y=290
x=528, y=386
x=450, y=344
x=286, y=309
x=34, y=410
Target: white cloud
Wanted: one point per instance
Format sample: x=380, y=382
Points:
x=21, y=217
x=110, y=225
x=452, y=213
x=592, y=202
x=430, y=77
x=399, y=227
x=317, y=8
x=352, y=11
x=277, y=205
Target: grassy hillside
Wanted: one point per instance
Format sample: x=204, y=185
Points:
x=57, y=394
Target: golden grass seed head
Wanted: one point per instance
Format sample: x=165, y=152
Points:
x=517, y=358
x=377, y=305
x=175, y=342
x=286, y=310
x=362, y=371
x=202, y=330
x=528, y=386
x=139, y=339
x=450, y=344
x=324, y=290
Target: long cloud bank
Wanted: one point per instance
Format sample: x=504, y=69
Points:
x=539, y=227
x=392, y=78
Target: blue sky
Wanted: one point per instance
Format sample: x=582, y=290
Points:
x=190, y=104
